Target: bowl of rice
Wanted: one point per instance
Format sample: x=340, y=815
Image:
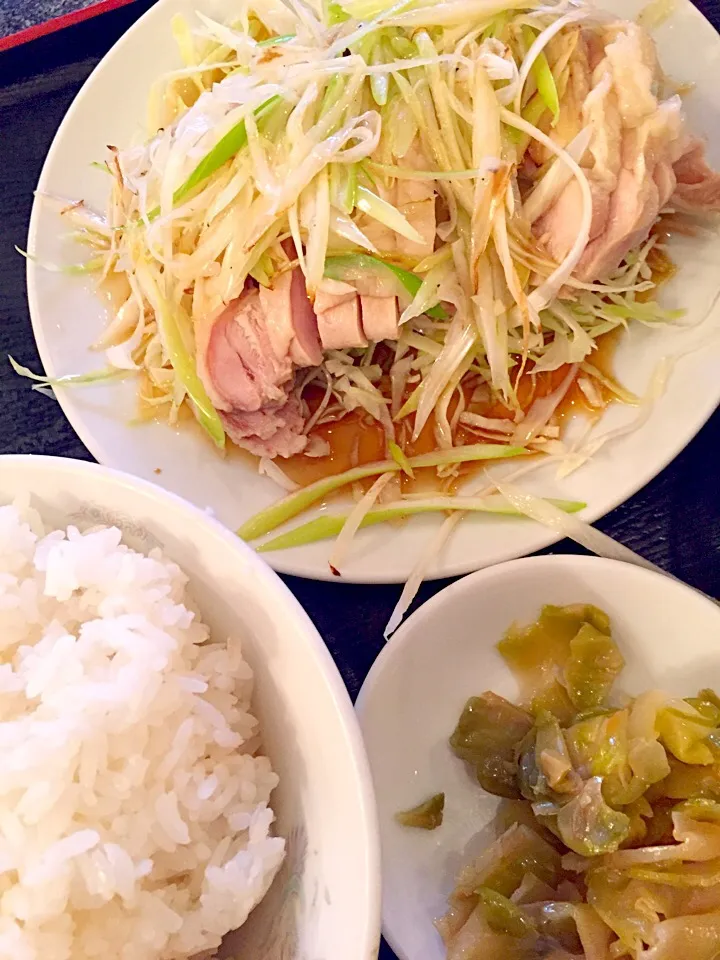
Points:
x=181, y=772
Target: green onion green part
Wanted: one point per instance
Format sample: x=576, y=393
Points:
x=330, y=525
x=225, y=149
x=300, y=500
x=338, y=268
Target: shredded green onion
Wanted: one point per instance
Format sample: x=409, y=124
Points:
x=543, y=77
x=300, y=500
x=72, y=269
x=168, y=317
x=401, y=459
x=330, y=525
x=273, y=41
x=225, y=149
x=356, y=264
x=69, y=380
x=351, y=188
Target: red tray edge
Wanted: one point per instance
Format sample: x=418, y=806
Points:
x=59, y=23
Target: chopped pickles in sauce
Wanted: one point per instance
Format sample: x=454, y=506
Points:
x=616, y=839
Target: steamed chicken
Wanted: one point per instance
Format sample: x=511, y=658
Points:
x=422, y=217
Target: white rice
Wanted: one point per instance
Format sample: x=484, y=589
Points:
x=134, y=817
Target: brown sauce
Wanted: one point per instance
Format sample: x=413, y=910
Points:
x=575, y=403
x=358, y=439
x=354, y=440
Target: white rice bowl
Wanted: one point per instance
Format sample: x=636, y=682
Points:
x=134, y=806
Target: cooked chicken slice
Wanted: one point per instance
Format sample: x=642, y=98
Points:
x=381, y=237
x=380, y=318
x=236, y=360
x=415, y=199
x=337, y=306
x=635, y=143
x=246, y=358
x=291, y=320
x=631, y=55
x=274, y=431
x=557, y=229
x=644, y=185
x=421, y=216
x=601, y=112
x=698, y=186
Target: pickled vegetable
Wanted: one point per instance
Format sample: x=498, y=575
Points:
x=615, y=852
x=589, y=826
x=426, y=816
x=502, y=867
x=594, y=664
x=538, y=653
x=502, y=915
x=553, y=757
x=486, y=737
x=684, y=729
x=685, y=781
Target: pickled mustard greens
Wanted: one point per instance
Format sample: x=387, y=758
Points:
x=616, y=852
x=426, y=816
x=486, y=737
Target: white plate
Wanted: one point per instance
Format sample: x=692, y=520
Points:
x=412, y=698
x=67, y=317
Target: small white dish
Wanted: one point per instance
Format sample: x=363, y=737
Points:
x=412, y=698
x=325, y=902
x=68, y=317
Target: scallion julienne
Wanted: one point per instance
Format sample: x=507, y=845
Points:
x=69, y=380
x=330, y=525
x=274, y=41
x=297, y=502
x=354, y=266
x=401, y=458
x=543, y=76
x=95, y=265
x=225, y=149
x=168, y=318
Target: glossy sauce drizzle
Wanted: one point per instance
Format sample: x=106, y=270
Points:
x=358, y=439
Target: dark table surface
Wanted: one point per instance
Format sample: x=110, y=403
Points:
x=674, y=521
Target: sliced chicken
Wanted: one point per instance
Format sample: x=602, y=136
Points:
x=236, y=359
x=644, y=185
x=633, y=210
x=601, y=112
x=246, y=358
x=421, y=216
x=380, y=318
x=338, y=317
x=292, y=324
x=698, y=186
x=414, y=191
x=632, y=58
x=381, y=237
x=630, y=163
x=558, y=228
x=274, y=431
x=415, y=199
